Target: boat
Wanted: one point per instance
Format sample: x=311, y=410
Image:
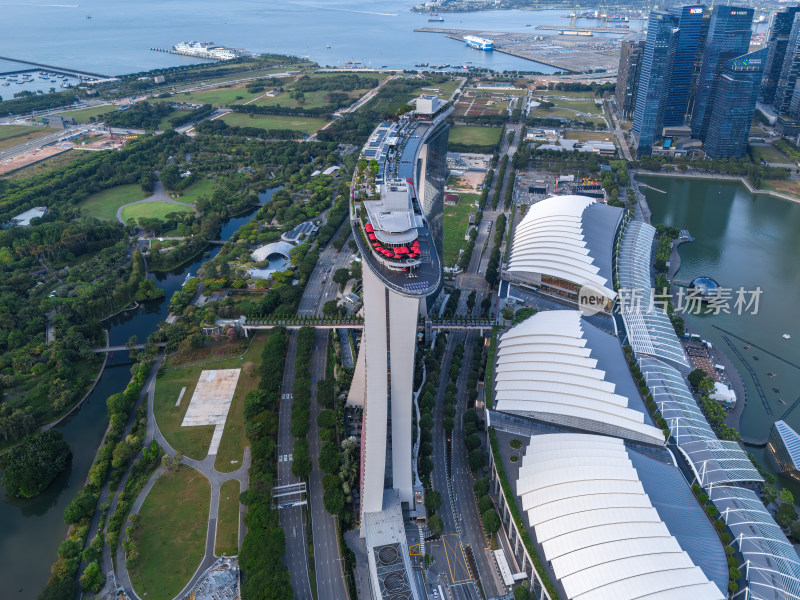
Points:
x=746, y=346
x=188, y=277
x=780, y=401
x=527, y=24
x=776, y=390
x=772, y=374
x=478, y=42
x=786, y=336
x=755, y=357
x=327, y=45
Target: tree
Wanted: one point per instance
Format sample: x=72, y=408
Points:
x=436, y=525
x=481, y=487
x=60, y=589
x=30, y=467
x=92, y=578
x=329, y=458
x=520, y=593
x=491, y=521
x=121, y=455
x=476, y=459
x=484, y=504
x=80, y=507
x=330, y=308
x=472, y=441
x=794, y=528
x=334, y=500
x=301, y=463
x=433, y=500
x=696, y=376
x=341, y=276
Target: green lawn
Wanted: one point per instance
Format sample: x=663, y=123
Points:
x=564, y=113
x=770, y=154
x=191, y=194
x=456, y=220
x=85, y=114
x=171, y=534
x=227, y=541
x=584, y=106
x=103, y=205
x=152, y=210
x=307, y=124
x=470, y=134
x=219, y=96
x=14, y=135
x=310, y=99
x=560, y=94
x=165, y=122
x=231, y=447
x=446, y=89
x=589, y=136
x=194, y=441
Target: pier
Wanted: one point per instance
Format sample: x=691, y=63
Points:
x=63, y=70
x=617, y=30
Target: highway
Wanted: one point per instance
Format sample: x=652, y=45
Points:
x=292, y=519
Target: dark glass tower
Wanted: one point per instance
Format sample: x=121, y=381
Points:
x=628, y=73
x=680, y=64
x=649, y=113
x=728, y=37
x=790, y=71
x=778, y=41
x=737, y=91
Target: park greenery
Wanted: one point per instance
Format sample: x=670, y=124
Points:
x=29, y=468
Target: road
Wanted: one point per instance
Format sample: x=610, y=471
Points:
x=327, y=563
x=41, y=142
x=620, y=135
x=292, y=519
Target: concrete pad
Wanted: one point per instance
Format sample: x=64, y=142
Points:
x=211, y=402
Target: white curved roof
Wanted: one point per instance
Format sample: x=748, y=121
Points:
x=597, y=526
x=552, y=240
x=545, y=371
x=282, y=248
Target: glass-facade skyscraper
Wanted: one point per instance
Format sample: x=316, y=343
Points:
x=737, y=91
x=630, y=68
x=648, y=116
x=680, y=64
x=790, y=71
x=778, y=40
x=728, y=37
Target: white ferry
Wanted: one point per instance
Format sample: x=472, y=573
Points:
x=479, y=42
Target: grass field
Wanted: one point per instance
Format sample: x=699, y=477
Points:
x=194, y=441
x=152, y=210
x=785, y=186
x=564, y=113
x=307, y=124
x=311, y=99
x=171, y=534
x=469, y=134
x=560, y=94
x=221, y=96
x=231, y=448
x=194, y=191
x=456, y=220
x=84, y=114
x=770, y=154
x=227, y=541
x=584, y=106
x=165, y=123
x=50, y=164
x=446, y=89
x=103, y=205
x=589, y=136
x=14, y=135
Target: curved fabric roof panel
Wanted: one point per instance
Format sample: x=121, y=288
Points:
x=569, y=237
x=633, y=266
x=557, y=368
x=597, y=527
x=652, y=334
x=773, y=569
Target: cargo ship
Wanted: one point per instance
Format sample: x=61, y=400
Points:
x=479, y=42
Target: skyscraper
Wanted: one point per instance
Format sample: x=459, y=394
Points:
x=728, y=37
x=778, y=40
x=737, y=91
x=630, y=68
x=681, y=63
x=648, y=116
x=790, y=71
x=396, y=217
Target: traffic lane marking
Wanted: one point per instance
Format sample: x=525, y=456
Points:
x=459, y=563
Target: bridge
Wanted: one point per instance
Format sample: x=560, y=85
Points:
x=65, y=70
x=438, y=325
x=124, y=347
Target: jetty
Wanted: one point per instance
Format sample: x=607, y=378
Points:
x=63, y=70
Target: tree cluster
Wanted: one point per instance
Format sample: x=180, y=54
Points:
x=29, y=468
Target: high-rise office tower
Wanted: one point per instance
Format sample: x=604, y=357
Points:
x=396, y=216
x=790, y=71
x=735, y=103
x=680, y=64
x=630, y=68
x=778, y=40
x=729, y=33
x=648, y=117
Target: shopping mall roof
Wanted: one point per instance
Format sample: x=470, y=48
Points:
x=597, y=526
x=569, y=237
x=714, y=461
x=558, y=368
x=772, y=566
